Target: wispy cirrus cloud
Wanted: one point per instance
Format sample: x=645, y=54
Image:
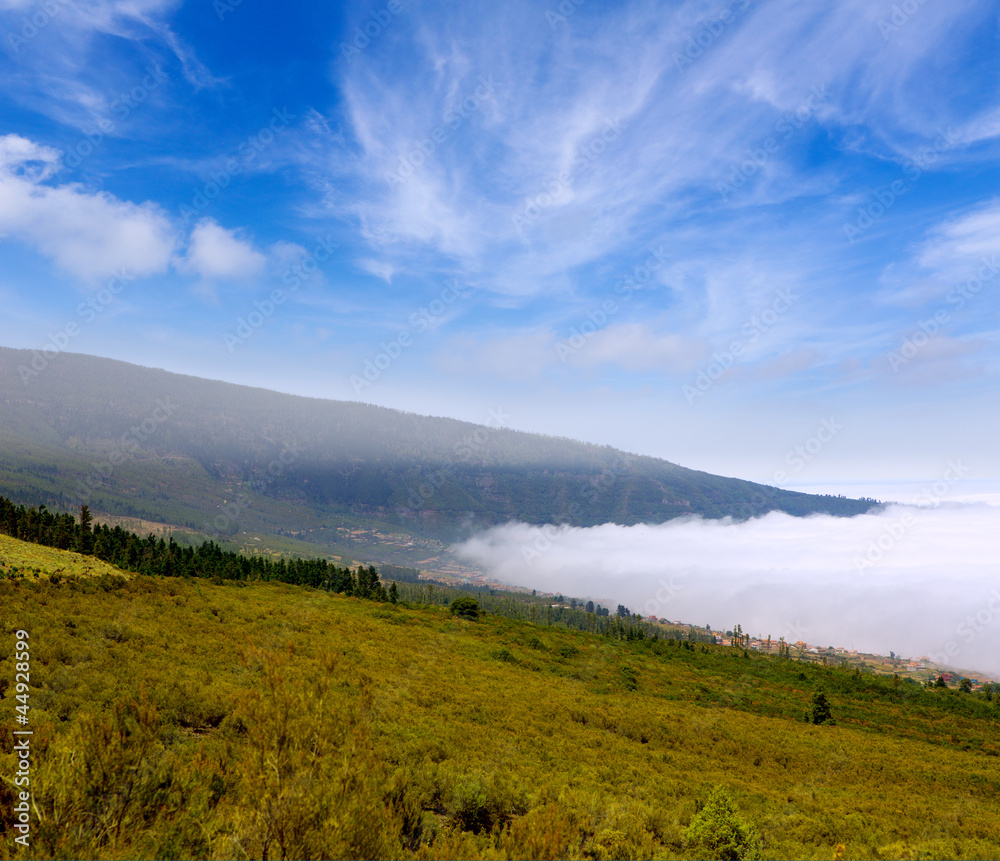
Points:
x=65, y=68
x=618, y=123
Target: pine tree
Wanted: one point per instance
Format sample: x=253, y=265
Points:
x=85, y=537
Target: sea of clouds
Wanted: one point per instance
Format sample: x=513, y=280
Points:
x=916, y=580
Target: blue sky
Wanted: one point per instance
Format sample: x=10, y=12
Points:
x=759, y=238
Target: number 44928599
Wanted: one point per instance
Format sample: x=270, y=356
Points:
x=22, y=668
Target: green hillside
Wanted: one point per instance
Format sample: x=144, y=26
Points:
x=180, y=717
x=221, y=458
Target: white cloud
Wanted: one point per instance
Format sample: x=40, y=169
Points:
x=935, y=360
x=527, y=355
x=981, y=128
x=25, y=157
x=217, y=254
x=635, y=347
x=957, y=248
x=910, y=580
x=946, y=290
x=519, y=356
x=89, y=234
x=92, y=235
x=378, y=268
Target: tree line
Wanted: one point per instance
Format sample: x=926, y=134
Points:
x=155, y=556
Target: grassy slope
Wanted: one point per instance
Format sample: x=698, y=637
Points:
x=33, y=560
x=273, y=718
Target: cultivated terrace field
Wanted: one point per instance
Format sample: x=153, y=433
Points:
x=187, y=717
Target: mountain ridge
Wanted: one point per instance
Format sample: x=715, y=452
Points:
x=151, y=443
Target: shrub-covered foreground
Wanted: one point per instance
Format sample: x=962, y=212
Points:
x=180, y=718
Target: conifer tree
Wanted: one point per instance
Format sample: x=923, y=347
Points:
x=820, y=712
x=85, y=537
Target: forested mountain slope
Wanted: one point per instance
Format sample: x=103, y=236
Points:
x=141, y=442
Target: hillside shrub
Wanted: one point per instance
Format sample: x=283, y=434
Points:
x=820, y=709
x=466, y=608
x=721, y=832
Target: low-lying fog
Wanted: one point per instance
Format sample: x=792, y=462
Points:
x=913, y=580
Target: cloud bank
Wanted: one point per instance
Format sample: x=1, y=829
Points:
x=920, y=581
